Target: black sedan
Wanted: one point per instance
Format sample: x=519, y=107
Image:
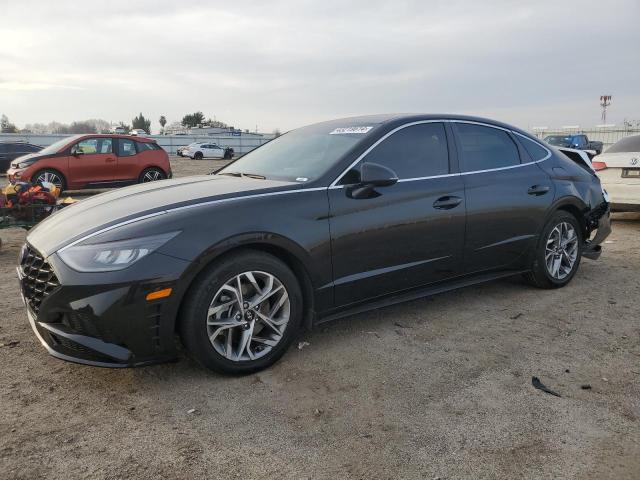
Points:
x=324, y=221
x=9, y=151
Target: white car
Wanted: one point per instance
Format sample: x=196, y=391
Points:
x=204, y=150
x=619, y=172
x=579, y=156
x=138, y=132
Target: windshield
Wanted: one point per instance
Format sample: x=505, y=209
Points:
x=301, y=155
x=627, y=144
x=558, y=140
x=54, y=147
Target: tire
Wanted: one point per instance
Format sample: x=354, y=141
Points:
x=198, y=156
x=50, y=175
x=152, y=174
x=543, y=274
x=206, y=335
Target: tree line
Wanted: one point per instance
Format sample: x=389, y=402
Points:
x=96, y=125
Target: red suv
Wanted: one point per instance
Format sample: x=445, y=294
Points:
x=84, y=161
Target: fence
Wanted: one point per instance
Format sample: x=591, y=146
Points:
x=241, y=144
x=607, y=135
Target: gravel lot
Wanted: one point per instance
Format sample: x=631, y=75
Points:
x=435, y=388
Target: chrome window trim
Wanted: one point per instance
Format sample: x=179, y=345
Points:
x=334, y=185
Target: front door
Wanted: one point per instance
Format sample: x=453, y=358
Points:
x=405, y=235
x=92, y=161
x=507, y=197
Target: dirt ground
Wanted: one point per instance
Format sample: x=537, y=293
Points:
x=435, y=388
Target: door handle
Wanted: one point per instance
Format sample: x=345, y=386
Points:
x=538, y=189
x=447, y=202
x=109, y=160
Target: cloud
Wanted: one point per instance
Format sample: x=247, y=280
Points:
x=281, y=64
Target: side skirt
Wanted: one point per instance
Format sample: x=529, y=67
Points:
x=413, y=294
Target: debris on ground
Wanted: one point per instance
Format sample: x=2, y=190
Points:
x=301, y=345
x=535, y=381
x=11, y=344
x=191, y=411
x=516, y=316
x=398, y=324
x=586, y=386
x=317, y=412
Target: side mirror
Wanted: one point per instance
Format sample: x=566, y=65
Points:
x=374, y=175
x=76, y=152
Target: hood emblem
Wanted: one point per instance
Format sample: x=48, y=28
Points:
x=634, y=161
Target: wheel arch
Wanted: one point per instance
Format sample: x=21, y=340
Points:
x=285, y=250
x=35, y=173
x=576, y=207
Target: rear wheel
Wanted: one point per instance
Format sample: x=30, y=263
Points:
x=198, y=156
x=242, y=314
x=51, y=176
x=558, y=253
x=151, y=175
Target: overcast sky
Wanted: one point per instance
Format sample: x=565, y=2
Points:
x=283, y=64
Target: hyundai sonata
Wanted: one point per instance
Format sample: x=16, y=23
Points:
x=324, y=221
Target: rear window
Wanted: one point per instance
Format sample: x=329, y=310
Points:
x=534, y=149
x=627, y=144
x=485, y=148
x=145, y=146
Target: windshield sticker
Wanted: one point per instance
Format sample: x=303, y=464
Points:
x=346, y=130
x=302, y=179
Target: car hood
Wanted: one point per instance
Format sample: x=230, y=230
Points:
x=30, y=156
x=127, y=204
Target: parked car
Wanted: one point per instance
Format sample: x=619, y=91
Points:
x=84, y=161
x=619, y=171
x=581, y=157
x=138, y=132
x=11, y=150
x=182, y=151
x=576, y=141
x=198, y=151
x=119, y=130
x=321, y=222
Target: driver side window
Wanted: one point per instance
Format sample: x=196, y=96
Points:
x=412, y=152
x=90, y=146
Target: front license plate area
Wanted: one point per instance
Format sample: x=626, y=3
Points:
x=631, y=173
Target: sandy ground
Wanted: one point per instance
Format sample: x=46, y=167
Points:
x=435, y=388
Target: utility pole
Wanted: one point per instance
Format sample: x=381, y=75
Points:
x=605, y=101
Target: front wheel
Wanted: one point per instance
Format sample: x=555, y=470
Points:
x=241, y=314
x=558, y=253
x=51, y=176
x=198, y=156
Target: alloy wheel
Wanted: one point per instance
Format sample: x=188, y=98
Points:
x=151, y=176
x=561, y=251
x=248, y=316
x=51, y=178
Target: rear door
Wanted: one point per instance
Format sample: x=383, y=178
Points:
x=507, y=197
x=94, y=161
x=129, y=166
x=405, y=235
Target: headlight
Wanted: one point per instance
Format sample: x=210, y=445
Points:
x=25, y=164
x=111, y=256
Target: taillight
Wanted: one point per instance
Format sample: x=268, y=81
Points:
x=597, y=166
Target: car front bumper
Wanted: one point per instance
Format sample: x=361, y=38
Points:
x=100, y=322
x=15, y=174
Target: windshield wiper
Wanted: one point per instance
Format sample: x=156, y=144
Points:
x=240, y=174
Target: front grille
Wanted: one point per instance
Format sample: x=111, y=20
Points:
x=38, y=278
